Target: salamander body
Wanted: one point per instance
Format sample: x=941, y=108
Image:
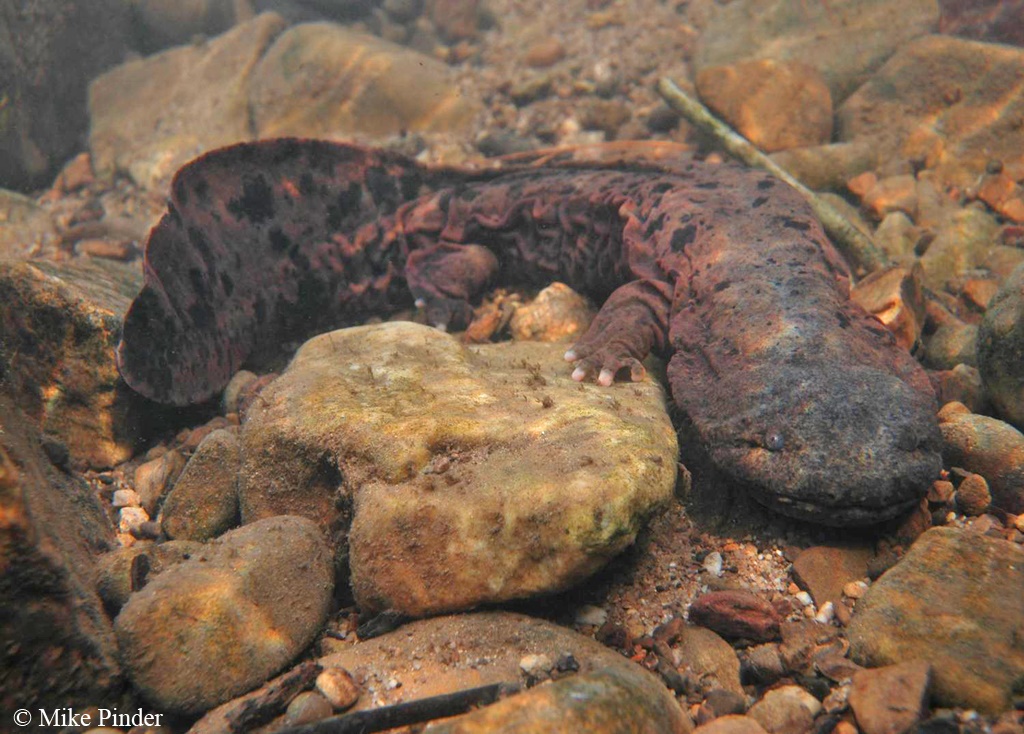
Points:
x=797, y=393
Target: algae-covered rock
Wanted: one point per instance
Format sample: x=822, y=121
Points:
x=955, y=602
x=325, y=80
x=151, y=115
x=607, y=692
x=222, y=622
x=59, y=324
x=475, y=474
x=204, y=501
x=817, y=34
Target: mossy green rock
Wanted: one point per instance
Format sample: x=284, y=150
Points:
x=955, y=602
x=472, y=474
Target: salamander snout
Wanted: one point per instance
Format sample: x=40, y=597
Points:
x=849, y=445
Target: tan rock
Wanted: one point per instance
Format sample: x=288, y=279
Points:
x=58, y=646
x=972, y=495
x=455, y=20
x=786, y=710
x=419, y=660
x=825, y=570
x=963, y=385
x=954, y=602
x=988, y=447
x=759, y=98
x=204, y=501
x=547, y=52
x=557, y=313
x=24, y=226
x=222, y=622
x=475, y=474
x=58, y=329
x=150, y=116
x=891, y=194
x=818, y=35
x=154, y=479
x=946, y=102
x=327, y=81
x=950, y=345
x=897, y=236
x=891, y=700
x=709, y=659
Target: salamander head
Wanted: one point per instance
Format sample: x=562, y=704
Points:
x=849, y=445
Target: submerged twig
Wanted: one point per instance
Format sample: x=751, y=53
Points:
x=854, y=244
x=409, y=712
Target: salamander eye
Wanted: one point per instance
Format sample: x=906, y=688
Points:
x=773, y=440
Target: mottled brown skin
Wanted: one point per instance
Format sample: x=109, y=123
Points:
x=797, y=393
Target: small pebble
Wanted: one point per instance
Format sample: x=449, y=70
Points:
x=941, y=491
x=307, y=707
x=125, y=498
x=973, y=496
x=713, y=564
x=855, y=589
x=544, y=53
x=536, y=666
x=130, y=518
x=338, y=687
x=591, y=615
x=804, y=598
x=826, y=614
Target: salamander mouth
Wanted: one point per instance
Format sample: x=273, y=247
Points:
x=856, y=446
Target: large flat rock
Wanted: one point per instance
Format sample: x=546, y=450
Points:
x=462, y=475
x=955, y=602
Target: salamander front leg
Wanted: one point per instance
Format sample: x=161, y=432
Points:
x=632, y=323
x=444, y=279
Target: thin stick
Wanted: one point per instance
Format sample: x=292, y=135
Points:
x=854, y=244
x=404, y=714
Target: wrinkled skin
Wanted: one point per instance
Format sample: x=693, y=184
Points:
x=798, y=394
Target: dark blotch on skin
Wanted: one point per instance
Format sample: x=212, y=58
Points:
x=682, y=237
x=256, y=203
x=279, y=241
x=346, y=204
x=759, y=201
x=798, y=225
x=307, y=184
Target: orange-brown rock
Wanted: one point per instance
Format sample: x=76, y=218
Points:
x=775, y=104
x=736, y=614
x=948, y=103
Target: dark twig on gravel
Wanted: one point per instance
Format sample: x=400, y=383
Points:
x=409, y=712
x=260, y=706
x=854, y=244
